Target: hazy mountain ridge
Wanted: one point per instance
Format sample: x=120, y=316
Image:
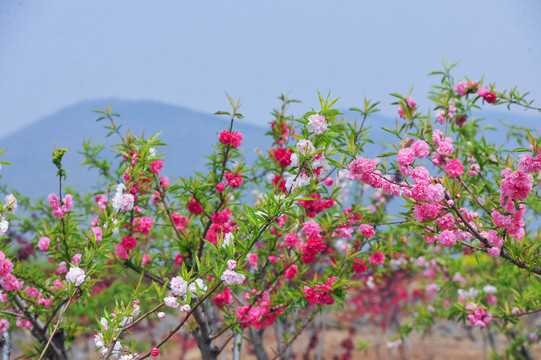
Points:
x=189, y=135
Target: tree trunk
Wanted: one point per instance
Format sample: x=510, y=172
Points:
x=5, y=346
x=202, y=336
x=257, y=342
x=237, y=345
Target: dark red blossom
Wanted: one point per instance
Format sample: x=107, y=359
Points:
x=233, y=179
x=194, y=207
x=314, y=207
x=282, y=156
x=128, y=243
x=228, y=138
x=311, y=249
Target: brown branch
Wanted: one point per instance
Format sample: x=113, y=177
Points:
x=536, y=270
x=57, y=324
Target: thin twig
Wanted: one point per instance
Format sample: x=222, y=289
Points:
x=57, y=324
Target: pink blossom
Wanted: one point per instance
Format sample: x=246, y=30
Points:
x=440, y=116
x=419, y=191
x=6, y=267
x=488, y=96
x=447, y=238
x=220, y=187
x=164, y=182
x=362, y=166
x=494, y=251
x=178, y=259
x=410, y=104
x=454, y=168
x=329, y=181
x=426, y=211
x=474, y=170
x=156, y=166
x=32, y=292
x=143, y=224
x=377, y=259
x=529, y=164
x=291, y=272
x=11, y=283
x=145, y=260
x=58, y=285
x=62, y=268
x=516, y=185
x=4, y=325
x=97, y=232
x=23, y=323
x=366, y=230
x=445, y=148
x=405, y=157
x=465, y=87
x=128, y=243
x=312, y=229
x=68, y=203
x=46, y=302
x=436, y=193
x=227, y=138
x=121, y=252
x=231, y=264
x=76, y=259
x=478, y=316
x=320, y=294
x=101, y=200
x=60, y=210
x=493, y=238
x=233, y=179
x=43, y=243
x=252, y=259
x=420, y=173
x=223, y=298
x=237, y=139
x=421, y=149
x=446, y=222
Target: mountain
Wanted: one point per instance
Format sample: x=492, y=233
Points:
x=189, y=134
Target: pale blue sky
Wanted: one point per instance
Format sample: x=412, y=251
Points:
x=55, y=53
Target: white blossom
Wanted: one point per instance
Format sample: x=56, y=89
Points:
x=178, y=286
x=231, y=277
x=198, y=289
x=4, y=225
x=10, y=203
x=171, y=302
x=317, y=124
x=76, y=275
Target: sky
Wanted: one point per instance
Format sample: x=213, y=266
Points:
x=56, y=53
